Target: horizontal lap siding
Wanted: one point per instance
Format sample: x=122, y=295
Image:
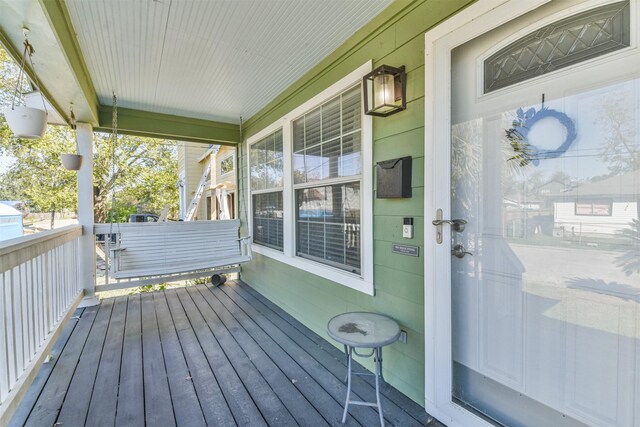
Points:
x=398, y=279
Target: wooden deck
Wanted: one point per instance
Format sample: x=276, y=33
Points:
x=199, y=356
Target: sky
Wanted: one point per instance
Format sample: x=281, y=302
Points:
x=5, y=162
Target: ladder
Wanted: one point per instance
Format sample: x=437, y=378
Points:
x=195, y=202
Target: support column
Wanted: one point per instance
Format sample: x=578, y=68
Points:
x=87, y=261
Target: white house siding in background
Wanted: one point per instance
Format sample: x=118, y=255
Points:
x=224, y=181
x=189, y=154
x=622, y=213
x=10, y=222
x=601, y=207
x=193, y=159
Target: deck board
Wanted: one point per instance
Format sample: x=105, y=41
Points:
x=21, y=415
x=237, y=340
x=186, y=405
x=199, y=356
x=131, y=390
x=76, y=403
x=102, y=409
x=50, y=399
x=158, y=407
x=295, y=356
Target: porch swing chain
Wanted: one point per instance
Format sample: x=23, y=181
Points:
x=114, y=137
x=28, y=51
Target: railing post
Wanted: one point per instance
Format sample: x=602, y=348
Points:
x=87, y=255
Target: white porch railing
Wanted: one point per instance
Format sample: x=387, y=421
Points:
x=39, y=289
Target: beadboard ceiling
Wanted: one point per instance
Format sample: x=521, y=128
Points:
x=216, y=59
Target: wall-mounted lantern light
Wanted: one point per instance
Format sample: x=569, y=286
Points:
x=385, y=91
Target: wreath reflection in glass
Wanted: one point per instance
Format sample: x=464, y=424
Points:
x=518, y=135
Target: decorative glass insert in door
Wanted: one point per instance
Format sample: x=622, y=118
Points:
x=546, y=310
x=566, y=42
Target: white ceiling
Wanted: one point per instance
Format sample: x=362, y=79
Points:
x=216, y=59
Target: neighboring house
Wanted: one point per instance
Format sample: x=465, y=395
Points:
x=218, y=200
x=11, y=225
x=189, y=173
x=602, y=207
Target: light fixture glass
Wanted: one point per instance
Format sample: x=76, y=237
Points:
x=384, y=91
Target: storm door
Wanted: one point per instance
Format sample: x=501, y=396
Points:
x=544, y=219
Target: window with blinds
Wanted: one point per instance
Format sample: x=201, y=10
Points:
x=266, y=180
x=327, y=171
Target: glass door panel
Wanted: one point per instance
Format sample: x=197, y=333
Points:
x=546, y=307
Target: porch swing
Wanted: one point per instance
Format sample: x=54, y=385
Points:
x=139, y=254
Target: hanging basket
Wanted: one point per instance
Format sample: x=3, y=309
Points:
x=26, y=122
x=71, y=162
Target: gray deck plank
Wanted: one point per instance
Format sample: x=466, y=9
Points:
x=223, y=323
x=157, y=396
x=269, y=403
x=186, y=405
x=130, y=410
x=409, y=414
x=46, y=410
x=199, y=356
x=29, y=400
x=242, y=406
x=76, y=403
x=294, y=358
x=104, y=400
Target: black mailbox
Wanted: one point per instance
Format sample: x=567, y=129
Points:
x=394, y=178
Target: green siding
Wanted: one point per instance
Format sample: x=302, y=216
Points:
x=396, y=37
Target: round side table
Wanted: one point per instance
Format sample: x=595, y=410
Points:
x=363, y=330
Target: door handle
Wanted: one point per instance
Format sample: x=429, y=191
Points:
x=456, y=224
x=459, y=251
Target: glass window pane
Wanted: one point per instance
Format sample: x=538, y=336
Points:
x=312, y=128
x=313, y=163
x=351, y=162
x=267, y=219
x=266, y=162
x=351, y=110
x=331, y=120
x=278, y=145
x=298, y=134
x=299, y=170
x=328, y=225
x=331, y=159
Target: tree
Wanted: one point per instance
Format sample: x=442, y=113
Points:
x=628, y=260
x=143, y=172
x=617, y=115
x=37, y=176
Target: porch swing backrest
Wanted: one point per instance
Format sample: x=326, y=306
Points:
x=151, y=249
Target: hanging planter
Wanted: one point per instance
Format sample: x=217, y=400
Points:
x=26, y=122
x=71, y=161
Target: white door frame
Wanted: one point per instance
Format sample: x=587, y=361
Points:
x=468, y=24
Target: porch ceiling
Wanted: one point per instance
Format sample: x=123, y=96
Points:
x=210, y=60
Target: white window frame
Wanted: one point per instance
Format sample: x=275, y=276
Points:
x=257, y=247
x=233, y=164
x=362, y=282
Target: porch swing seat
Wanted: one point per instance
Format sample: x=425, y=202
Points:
x=168, y=248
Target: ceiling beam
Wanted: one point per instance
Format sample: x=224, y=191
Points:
x=165, y=126
x=16, y=55
x=60, y=22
